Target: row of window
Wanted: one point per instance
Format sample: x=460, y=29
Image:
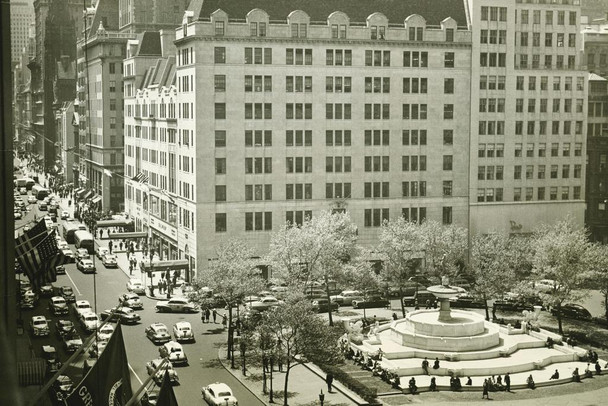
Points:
x=333, y=57
x=560, y=39
x=554, y=172
x=550, y=16
x=334, y=164
x=556, y=105
x=498, y=127
x=528, y=193
x=299, y=138
x=578, y=146
x=522, y=62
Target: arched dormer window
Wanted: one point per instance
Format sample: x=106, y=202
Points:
x=449, y=27
x=338, y=23
x=377, y=24
x=258, y=22
x=298, y=22
x=219, y=20
x=415, y=25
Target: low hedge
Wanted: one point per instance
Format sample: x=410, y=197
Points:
x=367, y=393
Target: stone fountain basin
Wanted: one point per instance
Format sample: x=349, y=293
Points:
x=442, y=291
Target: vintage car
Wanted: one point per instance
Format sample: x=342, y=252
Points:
x=264, y=303
x=182, y=331
x=58, y=305
x=371, y=301
x=158, y=333
x=136, y=286
x=63, y=327
x=50, y=356
x=217, y=394
x=39, y=326
x=152, y=366
x=89, y=321
x=86, y=266
x=82, y=306
x=176, y=304
x=174, y=351
x=346, y=297
x=126, y=315
x=105, y=332
x=109, y=261
x=323, y=305
x=72, y=341
x=131, y=300
x=68, y=294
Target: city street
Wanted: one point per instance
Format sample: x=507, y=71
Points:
x=203, y=367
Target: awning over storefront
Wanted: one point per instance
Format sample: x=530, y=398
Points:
x=96, y=199
x=88, y=194
x=158, y=266
x=142, y=234
x=80, y=193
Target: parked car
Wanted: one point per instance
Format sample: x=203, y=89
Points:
x=131, y=300
x=174, y=351
x=61, y=388
x=264, y=303
x=68, y=294
x=86, y=266
x=323, y=305
x=346, y=297
x=31, y=199
x=219, y=394
x=63, y=327
x=150, y=397
x=158, y=376
x=68, y=253
x=60, y=270
x=465, y=300
x=65, y=215
x=47, y=290
x=574, y=311
x=182, y=331
x=419, y=298
x=101, y=251
x=136, y=286
x=82, y=253
x=89, y=321
x=82, y=306
x=72, y=341
x=176, y=304
x=105, y=332
x=158, y=333
x=49, y=353
x=58, y=305
x=110, y=261
x=39, y=326
x=371, y=301
x=17, y=214
x=126, y=315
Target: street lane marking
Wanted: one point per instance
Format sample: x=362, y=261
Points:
x=73, y=283
x=132, y=370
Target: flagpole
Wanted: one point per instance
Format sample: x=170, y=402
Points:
x=146, y=382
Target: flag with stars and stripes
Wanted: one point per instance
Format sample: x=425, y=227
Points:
x=39, y=262
x=140, y=177
x=29, y=239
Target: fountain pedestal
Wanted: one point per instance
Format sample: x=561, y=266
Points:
x=445, y=313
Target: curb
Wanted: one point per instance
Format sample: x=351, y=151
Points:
x=336, y=385
x=222, y=350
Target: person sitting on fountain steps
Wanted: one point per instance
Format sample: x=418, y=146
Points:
x=425, y=365
x=530, y=382
x=576, y=377
x=433, y=385
x=412, y=386
x=555, y=375
x=436, y=364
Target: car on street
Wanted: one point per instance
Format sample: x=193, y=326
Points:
x=371, y=301
x=47, y=290
x=219, y=394
x=110, y=261
x=136, y=286
x=72, y=341
x=182, y=331
x=42, y=206
x=467, y=300
x=63, y=327
x=573, y=311
x=176, y=305
x=68, y=294
x=49, y=353
x=346, y=297
x=82, y=306
x=67, y=252
x=86, y=266
x=62, y=244
x=82, y=253
x=31, y=199
x=131, y=300
x=65, y=215
x=264, y=303
x=58, y=305
x=18, y=215
x=39, y=326
x=101, y=251
x=158, y=376
x=105, y=332
x=158, y=333
x=150, y=397
x=61, y=388
x=126, y=315
x=174, y=351
x=89, y=321
x=323, y=305
x=22, y=191
x=60, y=270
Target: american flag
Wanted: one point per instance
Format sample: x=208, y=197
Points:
x=29, y=239
x=140, y=177
x=40, y=261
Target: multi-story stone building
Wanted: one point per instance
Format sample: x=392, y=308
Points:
x=22, y=15
x=110, y=26
x=284, y=111
x=528, y=114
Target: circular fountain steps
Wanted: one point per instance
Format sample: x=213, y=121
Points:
x=466, y=331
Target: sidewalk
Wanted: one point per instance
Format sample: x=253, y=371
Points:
x=306, y=381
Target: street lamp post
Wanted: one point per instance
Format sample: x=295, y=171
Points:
x=321, y=397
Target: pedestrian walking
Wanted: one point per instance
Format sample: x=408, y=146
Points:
x=120, y=245
x=224, y=320
x=207, y=315
x=131, y=268
x=486, y=393
x=214, y=313
x=508, y=382
x=110, y=246
x=329, y=379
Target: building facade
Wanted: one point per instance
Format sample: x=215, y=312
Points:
x=283, y=112
x=22, y=16
x=528, y=115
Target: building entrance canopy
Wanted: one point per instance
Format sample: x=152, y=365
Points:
x=158, y=266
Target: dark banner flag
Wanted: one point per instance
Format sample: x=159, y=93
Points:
x=166, y=396
x=108, y=383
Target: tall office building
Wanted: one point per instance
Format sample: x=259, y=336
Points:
x=284, y=111
x=22, y=15
x=528, y=114
x=110, y=25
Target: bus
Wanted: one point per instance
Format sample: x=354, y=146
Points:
x=27, y=183
x=69, y=228
x=39, y=192
x=84, y=239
